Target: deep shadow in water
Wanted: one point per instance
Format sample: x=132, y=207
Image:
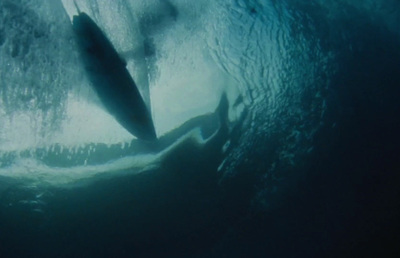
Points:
x=346, y=203
x=173, y=210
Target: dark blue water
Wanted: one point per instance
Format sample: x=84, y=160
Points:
x=296, y=174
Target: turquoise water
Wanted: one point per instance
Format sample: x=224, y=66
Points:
x=277, y=124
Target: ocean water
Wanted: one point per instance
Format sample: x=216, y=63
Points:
x=278, y=126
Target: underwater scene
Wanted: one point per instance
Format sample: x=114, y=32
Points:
x=208, y=128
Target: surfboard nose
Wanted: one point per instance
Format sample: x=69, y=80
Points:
x=152, y=136
x=149, y=134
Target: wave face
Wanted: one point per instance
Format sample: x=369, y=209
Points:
x=50, y=114
x=273, y=73
x=269, y=113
